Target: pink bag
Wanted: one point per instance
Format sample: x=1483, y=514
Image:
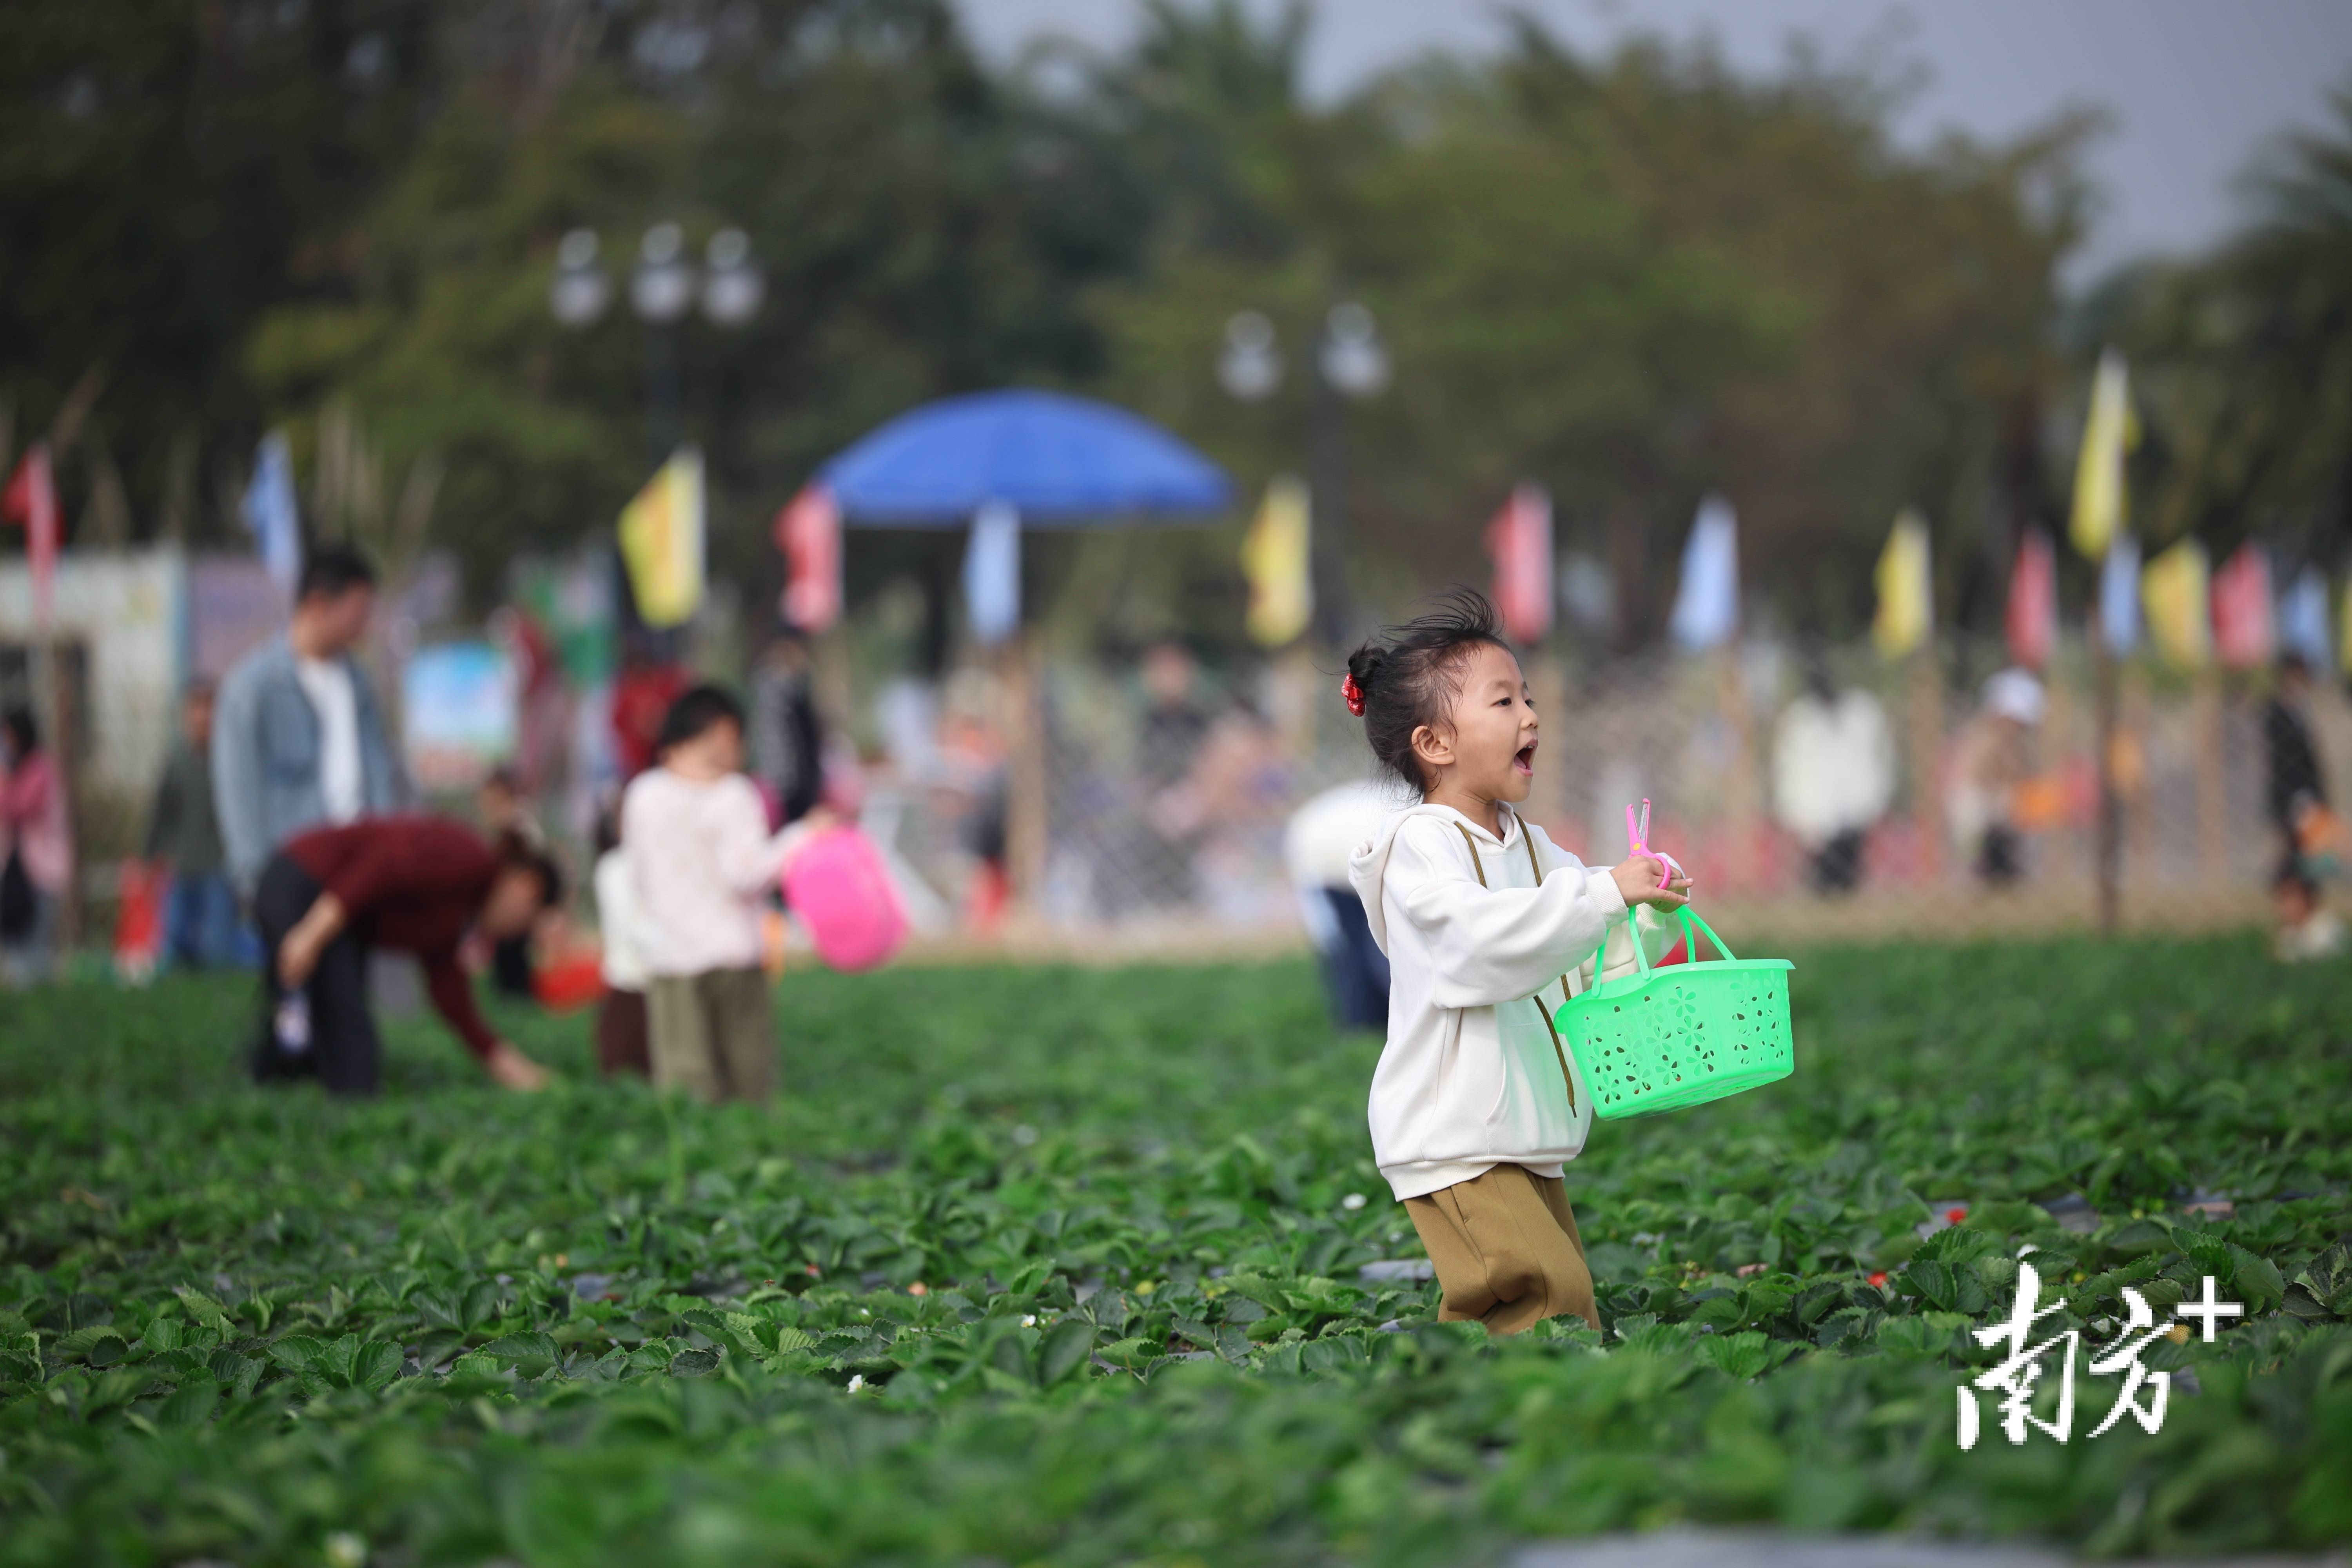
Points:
x=840, y=889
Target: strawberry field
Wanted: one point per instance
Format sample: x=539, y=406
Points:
x=1068, y=1266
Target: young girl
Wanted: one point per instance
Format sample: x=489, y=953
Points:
x=1489, y=927
x=695, y=836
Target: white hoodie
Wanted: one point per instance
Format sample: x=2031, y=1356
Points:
x=1470, y=1079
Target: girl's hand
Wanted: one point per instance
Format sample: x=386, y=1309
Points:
x=1644, y=880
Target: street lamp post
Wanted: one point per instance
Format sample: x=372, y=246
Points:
x=662, y=289
x=1348, y=364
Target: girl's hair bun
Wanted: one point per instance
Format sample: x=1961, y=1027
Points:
x=1409, y=675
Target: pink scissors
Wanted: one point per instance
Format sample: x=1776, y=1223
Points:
x=1638, y=842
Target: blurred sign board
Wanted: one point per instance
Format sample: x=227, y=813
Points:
x=458, y=703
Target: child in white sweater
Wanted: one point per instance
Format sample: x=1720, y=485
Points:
x=700, y=859
x=1488, y=927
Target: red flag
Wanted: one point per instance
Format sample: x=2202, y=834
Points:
x=2243, y=631
x=1518, y=541
x=2031, y=625
x=31, y=501
x=808, y=531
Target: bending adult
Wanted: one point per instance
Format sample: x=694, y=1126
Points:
x=416, y=884
x=298, y=738
x=36, y=854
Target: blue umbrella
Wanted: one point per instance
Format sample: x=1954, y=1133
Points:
x=1049, y=456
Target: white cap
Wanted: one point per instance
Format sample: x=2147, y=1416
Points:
x=2015, y=694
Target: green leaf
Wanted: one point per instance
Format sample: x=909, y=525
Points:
x=190, y=1406
x=376, y=1366
x=101, y=1345
x=1133, y=1353
x=1066, y=1346
x=755, y=1333
x=204, y=1309
x=694, y=1363
x=2257, y=1280
x=295, y=1352
x=531, y=1355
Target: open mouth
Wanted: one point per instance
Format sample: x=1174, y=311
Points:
x=1524, y=759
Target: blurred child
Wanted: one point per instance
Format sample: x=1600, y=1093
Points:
x=36, y=849
x=202, y=928
x=1475, y=1105
x=693, y=834
x=620, y=1038
x=500, y=805
x=2306, y=927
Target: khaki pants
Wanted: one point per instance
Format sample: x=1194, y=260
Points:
x=711, y=1033
x=1507, y=1250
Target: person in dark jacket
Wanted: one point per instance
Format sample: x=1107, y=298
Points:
x=416, y=884
x=2293, y=781
x=200, y=925
x=782, y=735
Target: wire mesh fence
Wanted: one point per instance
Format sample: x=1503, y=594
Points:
x=1830, y=794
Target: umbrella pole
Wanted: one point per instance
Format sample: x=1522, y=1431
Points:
x=1026, y=789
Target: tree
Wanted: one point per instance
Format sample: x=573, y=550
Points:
x=2242, y=362
x=168, y=171
x=1635, y=279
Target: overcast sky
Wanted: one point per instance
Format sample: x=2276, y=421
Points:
x=2196, y=89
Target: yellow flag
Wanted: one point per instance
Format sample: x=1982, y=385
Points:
x=2102, y=504
x=661, y=542
x=1274, y=560
x=1905, y=589
x=2174, y=589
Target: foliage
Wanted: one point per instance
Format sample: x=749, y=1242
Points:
x=2242, y=360
x=1632, y=277
x=597, y=1326
x=168, y=172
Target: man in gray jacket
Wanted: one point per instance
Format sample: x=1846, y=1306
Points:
x=298, y=739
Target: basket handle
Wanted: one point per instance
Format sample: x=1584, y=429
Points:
x=1691, y=943
x=1689, y=917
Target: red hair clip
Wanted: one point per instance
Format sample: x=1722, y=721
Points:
x=1353, y=693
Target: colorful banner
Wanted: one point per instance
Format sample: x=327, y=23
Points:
x=2244, y=632
x=1906, y=603
x=992, y=573
x=808, y=532
x=1275, y=560
x=2173, y=589
x=2031, y=624
x=2119, y=596
x=2102, y=503
x=1518, y=541
x=31, y=502
x=1706, y=600
x=662, y=542
x=270, y=513
x=2303, y=627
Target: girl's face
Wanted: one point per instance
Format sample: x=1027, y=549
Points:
x=714, y=754
x=1486, y=750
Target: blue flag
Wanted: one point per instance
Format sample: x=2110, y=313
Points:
x=992, y=573
x=1706, y=605
x=2119, y=595
x=2303, y=620
x=270, y=514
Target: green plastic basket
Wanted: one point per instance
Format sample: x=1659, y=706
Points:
x=1661, y=1039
